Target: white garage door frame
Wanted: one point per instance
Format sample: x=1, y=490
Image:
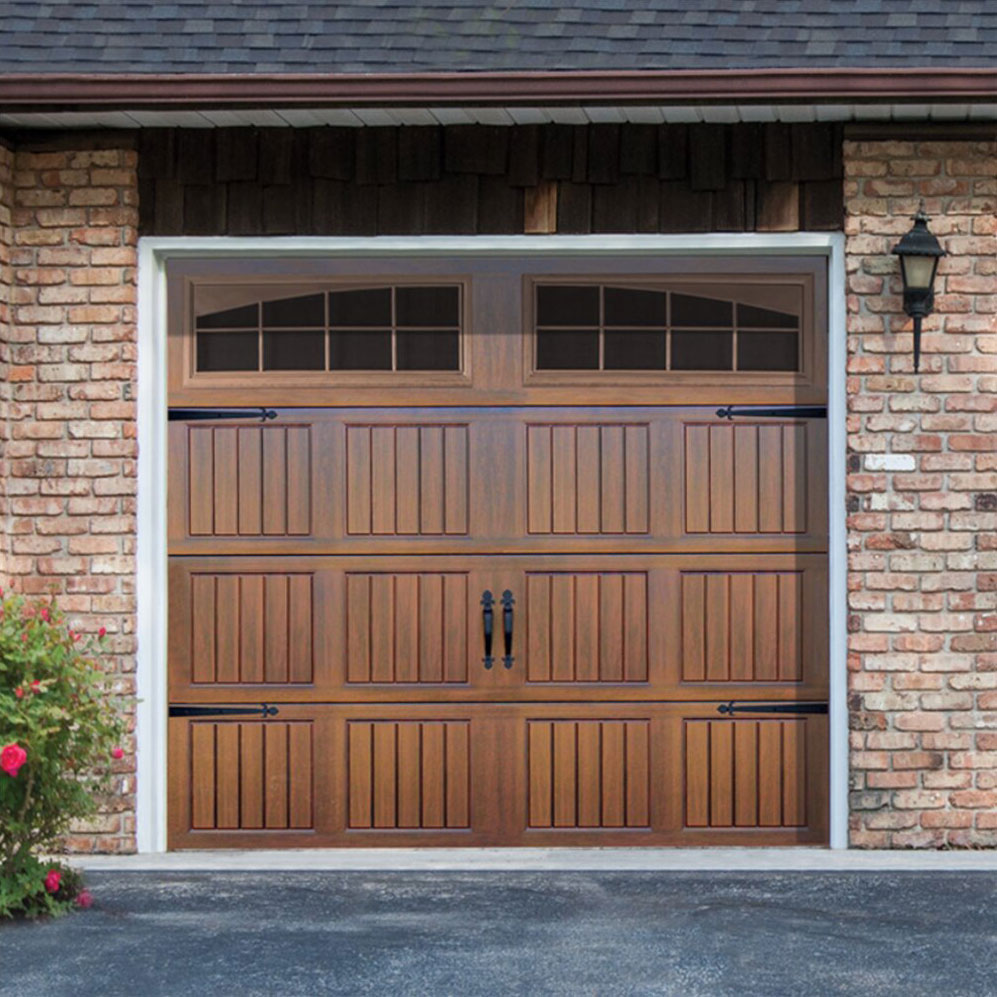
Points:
x=153, y=254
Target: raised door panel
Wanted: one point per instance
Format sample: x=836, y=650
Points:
x=754, y=480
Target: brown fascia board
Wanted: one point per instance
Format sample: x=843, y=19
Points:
x=89, y=91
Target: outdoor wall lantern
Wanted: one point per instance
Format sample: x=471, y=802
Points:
x=919, y=254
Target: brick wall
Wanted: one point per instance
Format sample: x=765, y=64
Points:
x=6, y=205
x=71, y=447
x=922, y=494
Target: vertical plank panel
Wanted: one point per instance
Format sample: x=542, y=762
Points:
x=299, y=628
x=766, y=627
x=717, y=628
x=769, y=773
x=794, y=484
x=456, y=483
x=612, y=768
x=275, y=628
x=251, y=622
x=433, y=761
x=541, y=764
x=697, y=479
x=358, y=628
x=458, y=758
x=274, y=481
x=562, y=628
x=408, y=479
x=770, y=479
x=407, y=627
x=721, y=479
x=385, y=769
x=794, y=778
x=409, y=775
x=203, y=628
x=382, y=469
x=226, y=481
x=721, y=773
x=565, y=482
x=635, y=627
x=589, y=479
x=202, y=778
x=275, y=752
x=538, y=621
x=251, y=775
x=299, y=481
x=358, y=480
x=565, y=774
x=742, y=619
x=693, y=627
x=300, y=792
x=745, y=484
x=431, y=506
x=697, y=774
x=613, y=478
x=250, y=481
x=611, y=627
x=790, y=626
x=201, y=483
x=431, y=626
x=638, y=774
x=455, y=628
x=228, y=628
x=382, y=628
x=589, y=774
x=361, y=769
x=745, y=773
x=637, y=481
x=587, y=627
x=540, y=503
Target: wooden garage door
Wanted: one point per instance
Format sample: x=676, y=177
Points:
x=462, y=553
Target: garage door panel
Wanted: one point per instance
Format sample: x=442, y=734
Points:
x=758, y=774
x=761, y=479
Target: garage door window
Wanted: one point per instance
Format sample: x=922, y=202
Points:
x=603, y=327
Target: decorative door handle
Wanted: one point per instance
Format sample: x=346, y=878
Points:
x=487, y=618
x=507, y=604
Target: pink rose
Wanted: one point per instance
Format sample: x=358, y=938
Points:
x=102, y=631
x=85, y=899
x=36, y=686
x=44, y=614
x=19, y=692
x=52, y=880
x=12, y=757
x=117, y=752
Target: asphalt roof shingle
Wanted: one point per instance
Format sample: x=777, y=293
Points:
x=394, y=36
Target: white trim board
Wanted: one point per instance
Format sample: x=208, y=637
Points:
x=153, y=252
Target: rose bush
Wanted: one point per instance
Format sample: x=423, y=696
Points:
x=60, y=730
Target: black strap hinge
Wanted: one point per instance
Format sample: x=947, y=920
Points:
x=773, y=411
x=730, y=708
x=199, y=414
x=263, y=710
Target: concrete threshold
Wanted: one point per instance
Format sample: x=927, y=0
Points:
x=544, y=860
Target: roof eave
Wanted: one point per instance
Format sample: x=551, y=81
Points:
x=199, y=91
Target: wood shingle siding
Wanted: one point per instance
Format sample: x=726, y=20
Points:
x=471, y=179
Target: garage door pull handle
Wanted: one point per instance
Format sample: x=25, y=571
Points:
x=488, y=619
x=507, y=604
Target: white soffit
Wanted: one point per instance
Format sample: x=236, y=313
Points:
x=360, y=117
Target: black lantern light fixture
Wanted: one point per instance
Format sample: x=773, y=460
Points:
x=919, y=254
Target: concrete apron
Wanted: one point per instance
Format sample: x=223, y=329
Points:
x=545, y=859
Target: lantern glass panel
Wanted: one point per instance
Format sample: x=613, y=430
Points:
x=919, y=271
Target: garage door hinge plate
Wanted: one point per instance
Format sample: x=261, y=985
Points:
x=732, y=707
x=263, y=710
x=773, y=411
x=199, y=414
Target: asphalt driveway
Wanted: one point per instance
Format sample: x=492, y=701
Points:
x=477, y=933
